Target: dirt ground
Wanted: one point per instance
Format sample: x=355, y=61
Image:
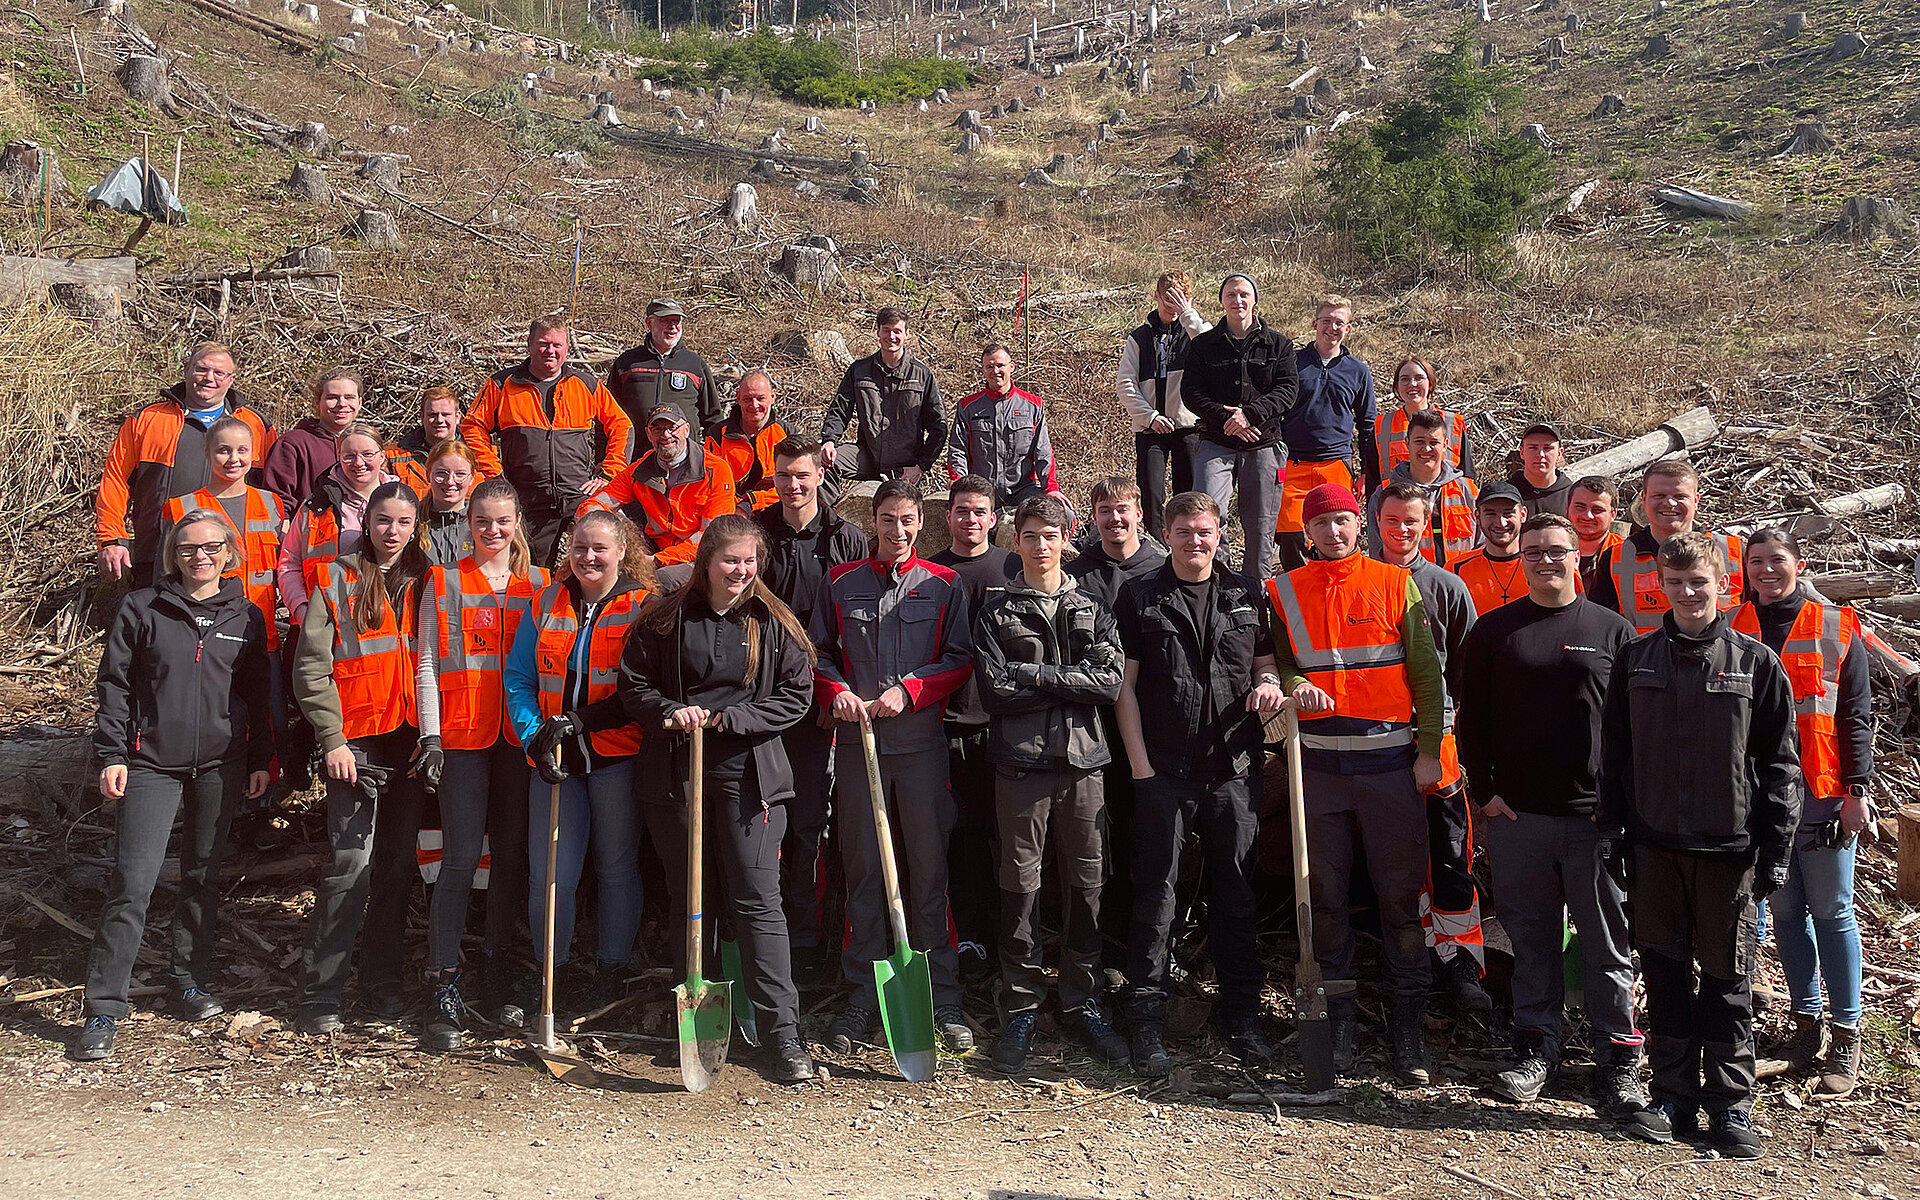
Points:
x=236, y=1107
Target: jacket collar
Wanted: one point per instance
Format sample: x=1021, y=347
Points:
x=177, y=393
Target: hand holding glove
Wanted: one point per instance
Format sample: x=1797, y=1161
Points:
x=428, y=762
x=1615, y=855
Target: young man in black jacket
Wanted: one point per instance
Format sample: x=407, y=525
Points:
x=1700, y=794
x=1046, y=661
x=806, y=539
x=894, y=400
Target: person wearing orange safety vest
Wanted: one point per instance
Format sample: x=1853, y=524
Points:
x=1590, y=506
x=1450, y=905
x=1492, y=571
x=407, y=454
x=1627, y=578
x=1355, y=655
x=256, y=514
x=670, y=494
x=1413, y=386
x=159, y=454
x=1822, y=649
x=746, y=439
x=469, y=613
x=353, y=680
x=562, y=683
x=1451, y=496
x=331, y=518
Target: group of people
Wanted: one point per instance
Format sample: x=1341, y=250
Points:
x=533, y=603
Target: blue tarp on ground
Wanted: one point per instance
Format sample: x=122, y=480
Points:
x=138, y=189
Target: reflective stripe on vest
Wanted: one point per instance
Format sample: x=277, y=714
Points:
x=259, y=548
x=1814, y=648
x=1458, y=527
x=372, y=671
x=1390, y=439
x=1636, y=581
x=323, y=546
x=1346, y=641
x=557, y=624
x=476, y=628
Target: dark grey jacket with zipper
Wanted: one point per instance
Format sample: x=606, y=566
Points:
x=1046, y=665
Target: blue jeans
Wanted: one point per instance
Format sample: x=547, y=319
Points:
x=597, y=808
x=1816, y=933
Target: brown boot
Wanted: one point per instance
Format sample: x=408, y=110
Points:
x=1842, y=1068
x=1796, y=1052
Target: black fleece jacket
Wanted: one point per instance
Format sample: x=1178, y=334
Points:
x=1256, y=374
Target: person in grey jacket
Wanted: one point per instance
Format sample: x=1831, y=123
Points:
x=893, y=398
x=1047, y=656
x=1000, y=433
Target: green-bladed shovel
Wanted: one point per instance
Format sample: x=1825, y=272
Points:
x=705, y=1009
x=903, y=979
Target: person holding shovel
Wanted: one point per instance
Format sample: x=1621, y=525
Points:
x=724, y=655
x=893, y=643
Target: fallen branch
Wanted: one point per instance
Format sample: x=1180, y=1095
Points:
x=1058, y=301
x=1490, y=1185
x=139, y=993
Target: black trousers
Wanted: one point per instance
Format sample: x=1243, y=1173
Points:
x=543, y=528
x=1154, y=455
x=145, y=822
x=809, y=811
x=972, y=851
x=371, y=877
x=1688, y=909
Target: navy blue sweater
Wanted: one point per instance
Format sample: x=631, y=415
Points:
x=1335, y=400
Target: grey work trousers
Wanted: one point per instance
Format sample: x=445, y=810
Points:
x=1217, y=469
x=1385, y=815
x=1064, y=807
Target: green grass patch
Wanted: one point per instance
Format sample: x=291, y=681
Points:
x=820, y=73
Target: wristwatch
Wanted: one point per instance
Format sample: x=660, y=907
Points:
x=1859, y=791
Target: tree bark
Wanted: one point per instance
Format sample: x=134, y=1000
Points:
x=1694, y=427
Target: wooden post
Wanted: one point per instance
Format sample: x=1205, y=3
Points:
x=1909, y=884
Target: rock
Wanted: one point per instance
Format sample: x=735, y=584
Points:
x=376, y=229
x=1847, y=45
x=1215, y=95
x=1869, y=218
x=1610, y=104
x=1038, y=177
x=20, y=168
x=742, y=207
x=145, y=78
x=383, y=170
x=309, y=183
x=824, y=347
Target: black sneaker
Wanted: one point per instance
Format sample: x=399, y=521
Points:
x=1616, y=1083
x=446, y=1016
x=1091, y=1029
x=1247, y=1043
x=1150, y=1052
x=1343, y=1025
x=792, y=1063
x=851, y=1027
x=499, y=997
x=196, y=1004
x=1016, y=1041
x=1524, y=1080
x=1461, y=976
x=1733, y=1134
x=951, y=1024
x=95, y=1039
x=318, y=1022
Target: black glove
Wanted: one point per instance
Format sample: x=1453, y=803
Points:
x=1769, y=878
x=545, y=747
x=428, y=762
x=1615, y=855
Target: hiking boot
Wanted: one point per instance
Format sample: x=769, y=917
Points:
x=318, y=1022
x=1841, y=1071
x=851, y=1027
x=197, y=1004
x=446, y=1015
x=1246, y=1043
x=1342, y=1024
x=1460, y=978
x=1733, y=1134
x=1795, y=1052
x=1015, y=1042
x=1661, y=1121
x=1616, y=1083
x=385, y=1003
x=1407, y=1045
x=1091, y=1029
x=792, y=1063
x=595, y=991
x=1150, y=1052
x=95, y=1039
x=1532, y=1067
x=951, y=1024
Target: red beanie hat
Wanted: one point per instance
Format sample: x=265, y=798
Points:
x=1328, y=497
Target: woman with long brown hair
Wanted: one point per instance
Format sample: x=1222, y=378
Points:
x=724, y=654
x=1415, y=384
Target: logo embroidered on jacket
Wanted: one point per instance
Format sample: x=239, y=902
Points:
x=1353, y=620
x=677, y=380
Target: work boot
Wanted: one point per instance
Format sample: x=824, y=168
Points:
x=1661, y=1121
x=1841, y=1072
x=1246, y=1043
x=95, y=1039
x=318, y=1022
x=384, y=1002
x=951, y=1024
x=446, y=1013
x=1460, y=976
x=497, y=998
x=1616, y=1082
x=851, y=1027
x=197, y=1004
x=1091, y=1029
x=792, y=1063
x=1734, y=1135
x=1342, y=1022
x=1010, y=1050
x=1795, y=1052
x=1150, y=1051
x=597, y=990
x=1407, y=1042
x=1532, y=1067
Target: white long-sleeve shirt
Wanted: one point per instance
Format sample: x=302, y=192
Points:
x=1139, y=405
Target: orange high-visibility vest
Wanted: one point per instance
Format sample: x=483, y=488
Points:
x=1815, y=647
x=1390, y=438
x=749, y=457
x=1459, y=529
x=553, y=617
x=1343, y=619
x=1636, y=580
x=322, y=547
x=1490, y=583
x=372, y=671
x=261, y=524
x=476, y=629
x=408, y=466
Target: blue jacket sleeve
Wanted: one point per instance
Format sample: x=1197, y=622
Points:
x=521, y=677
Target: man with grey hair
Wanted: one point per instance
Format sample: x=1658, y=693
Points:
x=662, y=370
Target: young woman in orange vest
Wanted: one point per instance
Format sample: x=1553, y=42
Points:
x=469, y=615
x=1414, y=384
x=725, y=654
x=329, y=520
x=562, y=697
x=1826, y=663
x=182, y=720
x=443, y=514
x=353, y=680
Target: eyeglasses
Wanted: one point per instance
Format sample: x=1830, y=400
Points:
x=210, y=373
x=193, y=550
x=1548, y=553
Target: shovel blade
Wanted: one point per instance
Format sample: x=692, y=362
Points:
x=1316, y=1053
x=905, y=984
x=742, y=1006
x=566, y=1068
x=705, y=1020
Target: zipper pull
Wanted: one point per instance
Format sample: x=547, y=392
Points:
x=197, y=649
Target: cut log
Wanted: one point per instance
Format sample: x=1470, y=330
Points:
x=1870, y=218
x=1700, y=204
x=742, y=207
x=1908, y=885
x=309, y=183
x=1057, y=302
x=1844, y=587
x=1694, y=427
x=1303, y=79
x=1900, y=550
x=1809, y=137
x=376, y=229
x=1872, y=499
x=26, y=280
x=145, y=78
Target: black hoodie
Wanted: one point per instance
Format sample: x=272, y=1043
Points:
x=183, y=682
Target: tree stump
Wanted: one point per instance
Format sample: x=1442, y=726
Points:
x=1117, y=117
x=676, y=113
x=1105, y=76
x=1038, y=177
x=1302, y=106
x=1040, y=93
x=969, y=142
x=1300, y=53
x=811, y=125
x=1847, y=45
x=1809, y=137
x=1795, y=23
x=968, y=121
x=376, y=229
x=1060, y=164
x=383, y=170
x=309, y=183
x=604, y=114
x=808, y=267
x=313, y=139
x=1323, y=90
x=998, y=111
x=771, y=144
x=940, y=96
x=1189, y=82
x=1537, y=134
x=1016, y=105
x=1869, y=218
x=1485, y=12
x=742, y=208
x=1489, y=54
x=1573, y=22
x=145, y=78
x=1362, y=62
x=1215, y=95
x=1104, y=133
x=1610, y=104
x=1183, y=157
x=1657, y=48
x=308, y=258
x=865, y=190
x=20, y=166
x=765, y=170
